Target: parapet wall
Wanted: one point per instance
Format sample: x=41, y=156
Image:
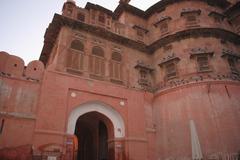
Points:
x=13, y=66
x=19, y=95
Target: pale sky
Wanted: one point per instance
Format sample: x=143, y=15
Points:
x=23, y=23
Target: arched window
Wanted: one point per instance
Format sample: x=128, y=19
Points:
x=75, y=56
x=116, y=56
x=116, y=67
x=78, y=45
x=97, y=62
x=98, y=51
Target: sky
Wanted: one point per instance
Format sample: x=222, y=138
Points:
x=23, y=23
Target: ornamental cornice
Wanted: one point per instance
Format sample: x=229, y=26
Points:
x=59, y=21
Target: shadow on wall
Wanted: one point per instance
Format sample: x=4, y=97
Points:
x=13, y=66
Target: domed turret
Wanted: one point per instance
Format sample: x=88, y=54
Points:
x=71, y=1
x=124, y=1
x=68, y=8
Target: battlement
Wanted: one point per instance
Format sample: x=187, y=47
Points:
x=13, y=66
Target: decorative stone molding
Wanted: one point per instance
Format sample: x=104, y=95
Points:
x=162, y=19
x=142, y=65
x=144, y=79
x=221, y=155
x=168, y=59
x=60, y=21
x=196, y=78
x=80, y=36
x=108, y=111
x=160, y=6
x=200, y=51
x=140, y=28
x=90, y=6
x=164, y=3
x=195, y=33
x=190, y=11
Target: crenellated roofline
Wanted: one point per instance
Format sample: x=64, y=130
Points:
x=159, y=6
x=59, y=21
x=98, y=7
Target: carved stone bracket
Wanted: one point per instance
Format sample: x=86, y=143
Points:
x=142, y=65
x=190, y=11
x=162, y=19
x=200, y=51
x=140, y=28
x=170, y=58
x=144, y=75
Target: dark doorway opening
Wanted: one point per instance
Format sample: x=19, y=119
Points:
x=93, y=131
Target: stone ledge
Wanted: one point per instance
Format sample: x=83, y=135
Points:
x=18, y=115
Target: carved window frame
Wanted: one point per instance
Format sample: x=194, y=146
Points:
x=191, y=17
x=144, y=79
x=171, y=70
x=116, y=68
x=96, y=64
x=140, y=33
x=202, y=65
x=166, y=64
x=163, y=25
x=232, y=59
x=75, y=59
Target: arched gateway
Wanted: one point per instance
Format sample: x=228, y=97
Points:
x=94, y=125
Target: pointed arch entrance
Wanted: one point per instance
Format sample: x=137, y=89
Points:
x=93, y=125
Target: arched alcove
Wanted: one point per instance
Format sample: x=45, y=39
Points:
x=94, y=125
x=108, y=111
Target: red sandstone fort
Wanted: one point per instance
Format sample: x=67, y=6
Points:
x=160, y=84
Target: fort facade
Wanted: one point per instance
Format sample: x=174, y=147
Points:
x=160, y=84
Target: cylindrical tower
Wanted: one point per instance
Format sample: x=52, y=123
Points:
x=196, y=105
